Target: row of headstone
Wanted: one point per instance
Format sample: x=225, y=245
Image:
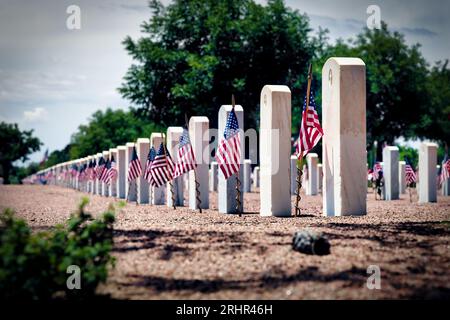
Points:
x=395, y=176
x=341, y=176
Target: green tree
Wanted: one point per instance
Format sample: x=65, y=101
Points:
x=435, y=116
x=15, y=145
x=396, y=77
x=108, y=129
x=58, y=156
x=409, y=153
x=21, y=172
x=195, y=53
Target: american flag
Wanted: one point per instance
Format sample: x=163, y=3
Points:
x=110, y=171
x=162, y=167
x=90, y=170
x=148, y=166
x=377, y=168
x=410, y=175
x=92, y=173
x=310, y=131
x=229, y=151
x=82, y=172
x=100, y=167
x=134, y=168
x=104, y=173
x=49, y=174
x=445, y=169
x=186, y=158
x=74, y=170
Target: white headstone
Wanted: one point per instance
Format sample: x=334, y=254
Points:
x=199, y=134
x=275, y=150
x=402, y=177
x=344, y=140
x=88, y=180
x=390, y=172
x=227, y=187
x=247, y=175
x=113, y=183
x=255, y=177
x=105, y=187
x=312, y=188
x=121, y=172
x=130, y=187
x=427, y=172
x=293, y=174
x=213, y=176
x=319, y=176
x=98, y=182
x=142, y=149
x=446, y=187
x=173, y=139
x=158, y=194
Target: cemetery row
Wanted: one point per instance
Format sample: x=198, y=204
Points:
x=156, y=170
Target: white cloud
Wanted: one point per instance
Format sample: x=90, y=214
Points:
x=37, y=114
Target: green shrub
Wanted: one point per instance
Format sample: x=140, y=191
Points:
x=34, y=265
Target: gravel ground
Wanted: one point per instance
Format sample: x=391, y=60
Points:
x=167, y=254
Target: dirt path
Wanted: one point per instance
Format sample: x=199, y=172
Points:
x=164, y=253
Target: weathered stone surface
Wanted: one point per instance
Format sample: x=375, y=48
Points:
x=275, y=150
x=311, y=242
x=427, y=172
x=344, y=140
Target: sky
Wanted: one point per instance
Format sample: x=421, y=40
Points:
x=53, y=78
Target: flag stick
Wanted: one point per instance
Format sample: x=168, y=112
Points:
x=135, y=187
x=197, y=184
x=300, y=162
x=410, y=196
x=172, y=190
x=128, y=192
x=238, y=182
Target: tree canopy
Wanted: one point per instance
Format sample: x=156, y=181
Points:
x=396, y=83
x=15, y=145
x=195, y=54
x=108, y=129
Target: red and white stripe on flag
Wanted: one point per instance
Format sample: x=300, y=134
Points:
x=310, y=132
x=186, y=160
x=134, y=170
x=229, y=155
